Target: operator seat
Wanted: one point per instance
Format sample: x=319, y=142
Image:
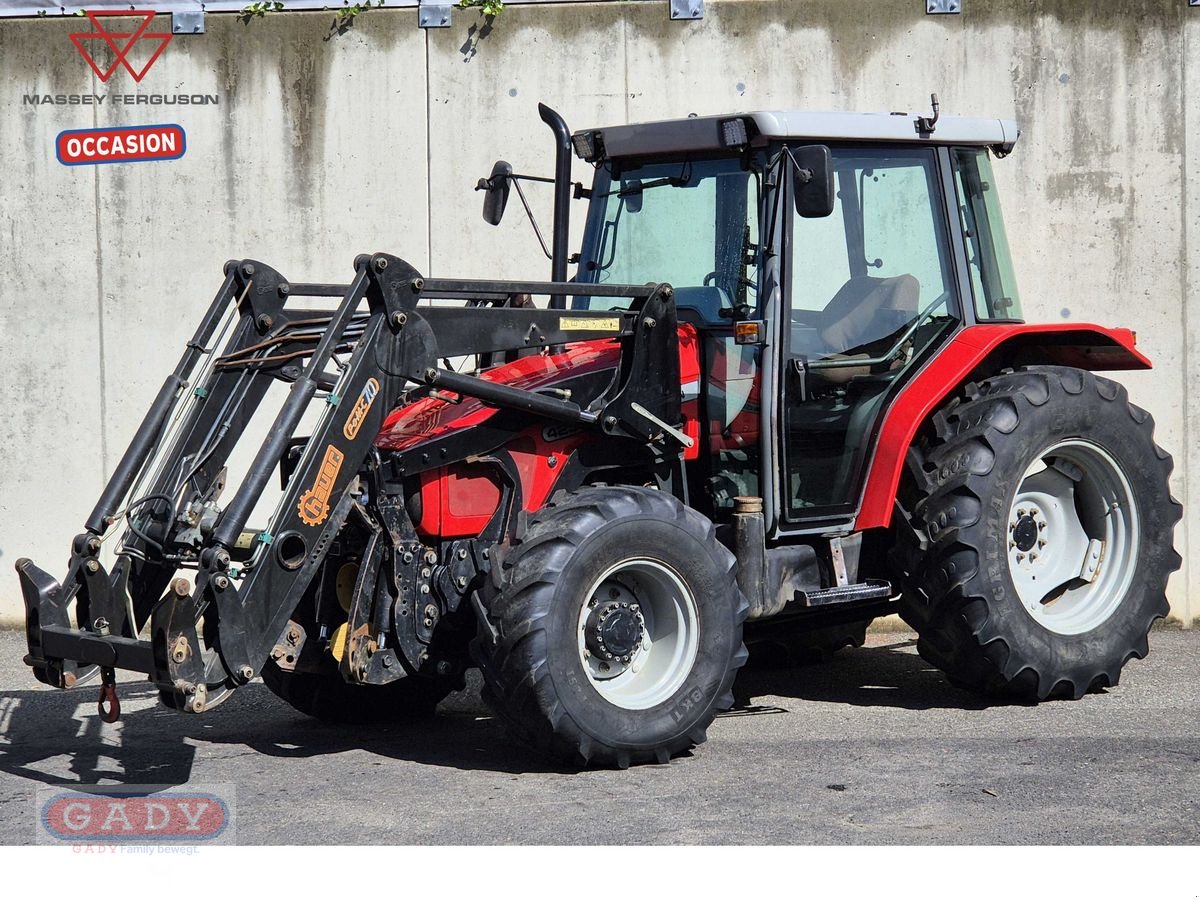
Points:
x=867, y=309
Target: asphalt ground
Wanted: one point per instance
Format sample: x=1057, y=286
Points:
x=872, y=747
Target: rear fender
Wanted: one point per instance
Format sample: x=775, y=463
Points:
x=975, y=352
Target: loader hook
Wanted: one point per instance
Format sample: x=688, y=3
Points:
x=108, y=694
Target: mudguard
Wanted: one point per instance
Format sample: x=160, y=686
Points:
x=981, y=348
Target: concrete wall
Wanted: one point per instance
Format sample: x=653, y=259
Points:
x=373, y=139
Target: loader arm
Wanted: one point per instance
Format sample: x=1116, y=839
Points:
x=213, y=633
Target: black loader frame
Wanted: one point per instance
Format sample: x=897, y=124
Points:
x=387, y=349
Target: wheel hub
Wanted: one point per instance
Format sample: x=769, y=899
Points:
x=614, y=630
x=1025, y=532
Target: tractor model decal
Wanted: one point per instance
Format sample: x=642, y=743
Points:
x=362, y=406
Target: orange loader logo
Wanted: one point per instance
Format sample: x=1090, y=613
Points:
x=362, y=406
x=314, y=503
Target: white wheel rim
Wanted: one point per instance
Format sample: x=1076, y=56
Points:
x=1072, y=537
x=653, y=594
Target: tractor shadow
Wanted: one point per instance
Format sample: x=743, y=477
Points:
x=56, y=738
x=887, y=675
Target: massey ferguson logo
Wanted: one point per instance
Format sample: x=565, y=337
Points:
x=314, y=503
x=362, y=406
x=121, y=43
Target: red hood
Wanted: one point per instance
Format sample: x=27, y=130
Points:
x=432, y=417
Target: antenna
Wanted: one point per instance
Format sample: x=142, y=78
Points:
x=925, y=125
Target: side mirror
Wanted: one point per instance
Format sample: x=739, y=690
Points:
x=496, y=187
x=631, y=193
x=812, y=181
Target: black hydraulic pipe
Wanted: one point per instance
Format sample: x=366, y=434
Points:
x=452, y=286
x=318, y=290
x=513, y=398
x=562, y=199
x=149, y=431
x=229, y=528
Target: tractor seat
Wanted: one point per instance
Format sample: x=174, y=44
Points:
x=867, y=309
x=704, y=304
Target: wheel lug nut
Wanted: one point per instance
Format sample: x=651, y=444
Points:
x=1020, y=557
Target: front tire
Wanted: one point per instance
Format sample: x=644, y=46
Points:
x=1043, y=473
x=618, y=629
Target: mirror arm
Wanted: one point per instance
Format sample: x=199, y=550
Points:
x=516, y=182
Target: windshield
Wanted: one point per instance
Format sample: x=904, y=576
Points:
x=693, y=224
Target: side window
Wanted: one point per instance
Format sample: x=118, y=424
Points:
x=823, y=239
x=993, y=280
x=900, y=236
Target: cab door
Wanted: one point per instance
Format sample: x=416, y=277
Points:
x=870, y=292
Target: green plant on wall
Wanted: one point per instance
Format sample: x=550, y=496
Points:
x=490, y=8
x=258, y=10
x=344, y=20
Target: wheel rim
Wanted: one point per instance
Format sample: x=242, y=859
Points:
x=638, y=633
x=1073, y=534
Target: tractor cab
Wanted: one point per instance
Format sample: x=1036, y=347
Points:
x=822, y=259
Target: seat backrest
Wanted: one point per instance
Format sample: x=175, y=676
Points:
x=706, y=302
x=866, y=309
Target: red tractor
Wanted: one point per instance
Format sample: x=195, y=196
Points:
x=787, y=390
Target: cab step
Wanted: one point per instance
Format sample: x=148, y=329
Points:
x=846, y=593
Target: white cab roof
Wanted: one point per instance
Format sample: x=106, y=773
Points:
x=832, y=126
x=703, y=133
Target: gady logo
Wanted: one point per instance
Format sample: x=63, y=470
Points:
x=120, y=42
x=124, y=815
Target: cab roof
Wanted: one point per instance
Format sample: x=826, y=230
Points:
x=709, y=133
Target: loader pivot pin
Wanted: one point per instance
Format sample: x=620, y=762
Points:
x=108, y=694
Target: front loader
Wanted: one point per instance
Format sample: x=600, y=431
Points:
x=787, y=390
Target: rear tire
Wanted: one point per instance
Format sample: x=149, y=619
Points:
x=1030, y=474
x=618, y=629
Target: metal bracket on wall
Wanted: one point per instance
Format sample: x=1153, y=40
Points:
x=433, y=15
x=191, y=22
x=687, y=9
x=943, y=7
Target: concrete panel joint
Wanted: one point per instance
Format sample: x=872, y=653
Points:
x=187, y=22
x=433, y=15
x=943, y=7
x=687, y=9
